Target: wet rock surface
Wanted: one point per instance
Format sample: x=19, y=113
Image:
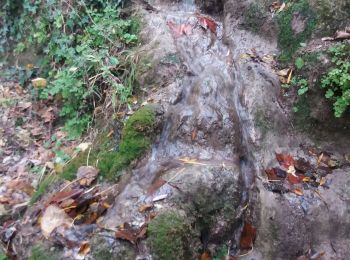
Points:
x=223, y=121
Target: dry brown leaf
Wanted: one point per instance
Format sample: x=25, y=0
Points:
x=145, y=207
x=298, y=191
x=341, y=35
x=84, y=248
x=206, y=256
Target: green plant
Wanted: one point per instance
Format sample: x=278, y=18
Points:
x=299, y=63
x=168, y=236
x=40, y=253
x=288, y=40
x=336, y=81
x=43, y=187
x=85, y=50
x=301, y=84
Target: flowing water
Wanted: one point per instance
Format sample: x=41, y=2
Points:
x=207, y=123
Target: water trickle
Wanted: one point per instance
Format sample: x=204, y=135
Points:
x=207, y=124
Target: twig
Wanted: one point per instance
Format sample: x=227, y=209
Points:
x=88, y=156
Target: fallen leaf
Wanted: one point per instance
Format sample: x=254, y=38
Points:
x=39, y=83
x=294, y=179
x=193, y=135
x=145, y=207
x=206, y=256
x=84, y=146
x=341, y=35
x=247, y=237
x=52, y=218
x=207, y=23
x=322, y=181
x=160, y=197
x=275, y=174
x=86, y=175
x=84, y=248
x=131, y=234
x=298, y=191
x=282, y=7
x=285, y=160
x=64, y=195
x=289, y=76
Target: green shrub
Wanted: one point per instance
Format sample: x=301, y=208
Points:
x=336, y=81
x=85, y=49
x=168, y=235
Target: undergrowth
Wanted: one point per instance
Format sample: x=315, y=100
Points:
x=84, y=49
x=336, y=81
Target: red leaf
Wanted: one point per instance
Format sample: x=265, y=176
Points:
x=285, y=160
x=207, y=22
x=295, y=179
x=248, y=236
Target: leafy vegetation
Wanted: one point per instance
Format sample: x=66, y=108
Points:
x=83, y=48
x=168, y=235
x=336, y=81
x=288, y=40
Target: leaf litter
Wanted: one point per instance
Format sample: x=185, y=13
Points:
x=297, y=174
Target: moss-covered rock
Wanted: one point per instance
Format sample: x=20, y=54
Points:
x=136, y=138
x=169, y=237
x=296, y=25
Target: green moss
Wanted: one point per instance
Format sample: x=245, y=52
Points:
x=136, y=138
x=3, y=256
x=288, y=40
x=168, y=236
x=102, y=254
x=254, y=17
x=40, y=253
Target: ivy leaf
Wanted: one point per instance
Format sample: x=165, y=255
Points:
x=329, y=93
x=302, y=91
x=299, y=63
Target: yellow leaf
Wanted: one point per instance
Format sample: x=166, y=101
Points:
x=58, y=168
x=39, y=83
x=289, y=76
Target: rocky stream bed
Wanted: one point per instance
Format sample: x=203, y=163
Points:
x=228, y=168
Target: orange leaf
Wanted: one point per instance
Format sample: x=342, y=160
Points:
x=248, y=236
x=206, y=256
x=298, y=192
x=285, y=160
